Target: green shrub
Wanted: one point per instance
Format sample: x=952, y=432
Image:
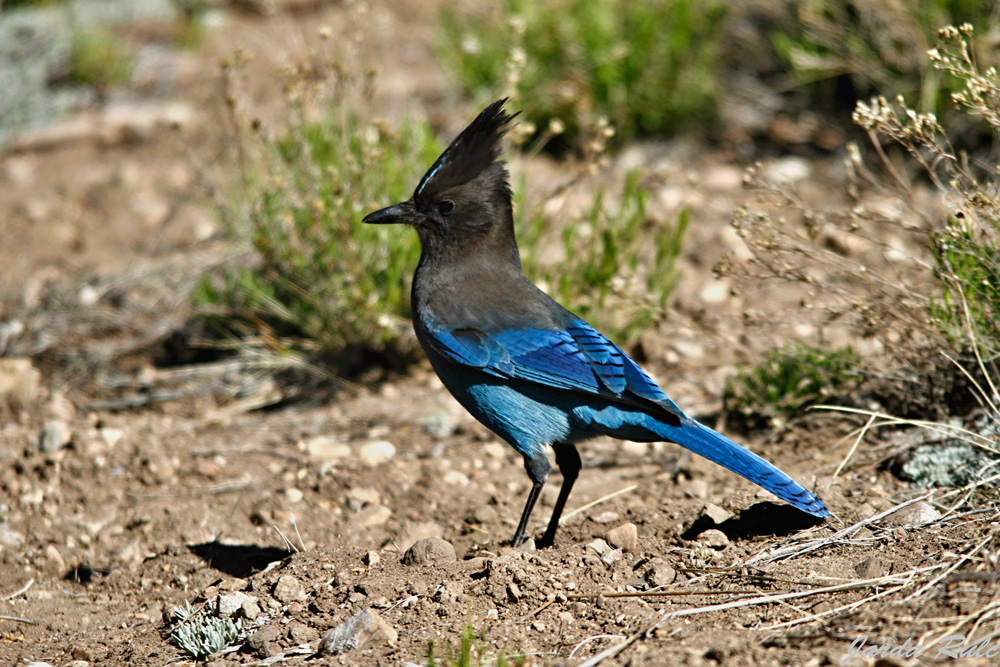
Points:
x=648, y=68
x=98, y=59
x=787, y=383
x=324, y=282
x=874, y=46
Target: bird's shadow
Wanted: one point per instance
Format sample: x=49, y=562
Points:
x=764, y=519
x=238, y=560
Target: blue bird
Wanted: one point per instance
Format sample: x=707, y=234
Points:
x=530, y=370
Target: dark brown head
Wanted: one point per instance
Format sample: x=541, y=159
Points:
x=464, y=199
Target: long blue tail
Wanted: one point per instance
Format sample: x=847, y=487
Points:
x=716, y=447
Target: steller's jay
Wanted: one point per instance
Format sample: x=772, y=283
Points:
x=530, y=370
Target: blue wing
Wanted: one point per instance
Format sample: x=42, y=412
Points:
x=577, y=358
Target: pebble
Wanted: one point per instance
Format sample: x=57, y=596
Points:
x=870, y=568
x=513, y=592
x=264, y=641
x=714, y=538
x=698, y=488
x=288, y=589
x=359, y=496
x=371, y=515
x=52, y=562
x=363, y=630
x=111, y=436
x=914, y=515
x=599, y=547
x=377, y=452
x=455, y=478
x=232, y=604
x=605, y=518
x=54, y=436
x=430, y=550
x=10, y=538
x=624, y=537
x=718, y=515
x=327, y=448
x=660, y=573
x=613, y=556
x=371, y=558
x=20, y=382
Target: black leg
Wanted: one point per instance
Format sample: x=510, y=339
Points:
x=537, y=468
x=568, y=460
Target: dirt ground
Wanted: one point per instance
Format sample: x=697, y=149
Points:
x=135, y=478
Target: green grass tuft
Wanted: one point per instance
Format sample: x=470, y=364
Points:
x=325, y=282
x=648, y=68
x=787, y=383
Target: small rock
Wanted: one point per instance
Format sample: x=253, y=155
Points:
x=365, y=629
x=377, y=452
x=624, y=537
x=914, y=515
x=264, y=642
x=52, y=562
x=660, y=573
x=698, y=488
x=300, y=633
x=294, y=495
x=111, y=436
x=486, y=514
x=613, y=556
x=10, y=538
x=371, y=515
x=231, y=605
x=455, y=478
x=85, y=653
x=54, y=436
x=513, y=592
x=599, y=547
x=20, y=382
x=359, y=496
x=492, y=615
x=430, y=550
x=371, y=558
x=714, y=538
x=288, y=589
x=327, y=448
x=605, y=518
x=870, y=568
x=718, y=515
x=60, y=407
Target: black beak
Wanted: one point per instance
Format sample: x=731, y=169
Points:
x=400, y=214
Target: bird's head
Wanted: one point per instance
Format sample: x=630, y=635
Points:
x=465, y=197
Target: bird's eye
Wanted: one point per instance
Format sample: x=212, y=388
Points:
x=446, y=206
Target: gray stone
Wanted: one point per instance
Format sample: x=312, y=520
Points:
x=430, y=550
x=660, y=573
x=363, y=630
x=54, y=436
x=624, y=537
x=714, y=538
x=288, y=589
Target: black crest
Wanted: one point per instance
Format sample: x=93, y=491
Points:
x=472, y=152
